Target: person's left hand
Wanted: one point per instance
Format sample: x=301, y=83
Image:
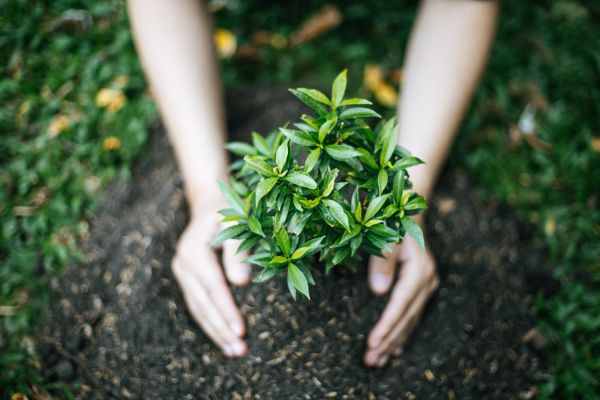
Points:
x=417, y=281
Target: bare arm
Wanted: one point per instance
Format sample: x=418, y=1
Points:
x=174, y=41
x=446, y=55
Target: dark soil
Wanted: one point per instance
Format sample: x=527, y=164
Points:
x=119, y=323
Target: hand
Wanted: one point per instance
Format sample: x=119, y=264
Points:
x=417, y=280
x=208, y=299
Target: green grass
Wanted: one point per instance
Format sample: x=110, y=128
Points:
x=546, y=54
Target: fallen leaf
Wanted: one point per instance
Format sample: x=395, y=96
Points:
x=111, y=99
x=225, y=43
x=372, y=77
x=327, y=18
x=386, y=95
x=596, y=144
x=111, y=143
x=550, y=226
x=58, y=124
x=265, y=38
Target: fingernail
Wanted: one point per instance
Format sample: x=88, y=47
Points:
x=227, y=350
x=237, y=348
x=382, y=360
x=371, y=358
x=380, y=282
x=237, y=328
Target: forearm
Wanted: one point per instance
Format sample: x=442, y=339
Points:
x=447, y=52
x=174, y=41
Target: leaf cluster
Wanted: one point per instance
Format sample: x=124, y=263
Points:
x=327, y=187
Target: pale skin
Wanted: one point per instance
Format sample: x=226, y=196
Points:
x=449, y=46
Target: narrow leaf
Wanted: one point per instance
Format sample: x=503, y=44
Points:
x=298, y=279
x=338, y=89
x=319, y=107
x=264, y=187
x=341, y=151
x=326, y=128
x=359, y=112
x=283, y=241
x=299, y=137
x=315, y=95
x=261, y=144
x=255, y=227
x=374, y=206
x=232, y=198
x=382, y=180
x=241, y=149
x=265, y=275
x=307, y=248
x=231, y=232
x=302, y=179
x=414, y=230
x=398, y=186
x=312, y=159
x=282, y=154
x=355, y=101
x=259, y=165
x=337, y=212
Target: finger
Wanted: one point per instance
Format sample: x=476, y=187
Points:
x=401, y=331
x=206, y=314
x=214, y=284
x=237, y=272
x=381, y=273
x=402, y=295
x=398, y=351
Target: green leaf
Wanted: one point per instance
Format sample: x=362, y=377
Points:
x=407, y=162
x=337, y=212
x=259, y=165
x=309, y=101
x=248, y=243
x=299, y=137
x=341, y=152
x=355, y=101
x=414, y=230
x=374, y=206
x=291, y=287
x=340, y=255
x=232, y=198
x=359, y=112
x=261, y=144
x=298, y=222
x=373, y=222
x=416, y=203
x=312, y=159
x=264, y=187
x=308, y=248
x=382, y=180
x=367, y=158
x=298, y=279
x=358, y=213
x=338, y=89
x=302, y=179
x=241, y=149
x=389, y=144
x=279, y=260
x=315, y=95
x=231, y=232
x=326, y=128
x=282, y=154
x=330, y=179
x=265, y=275
x=283, y=241
x=398, y=186
x=255, y=227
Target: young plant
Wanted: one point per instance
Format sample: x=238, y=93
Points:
x=328, y=187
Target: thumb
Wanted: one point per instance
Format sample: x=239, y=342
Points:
x=237, y=272
x=381, y=272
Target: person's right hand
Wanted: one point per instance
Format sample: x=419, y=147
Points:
x=200, y=276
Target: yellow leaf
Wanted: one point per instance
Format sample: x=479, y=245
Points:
x=550, y=226
x=225, y=43
x=111, y=99
x=58, y=124
x=372, y=77
x=386, y=95
x=596, y=144
x=19, y=396
x=111, y=143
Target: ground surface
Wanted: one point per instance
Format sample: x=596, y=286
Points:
x=119, y=323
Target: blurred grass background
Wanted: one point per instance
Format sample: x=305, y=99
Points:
x=74, y=111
